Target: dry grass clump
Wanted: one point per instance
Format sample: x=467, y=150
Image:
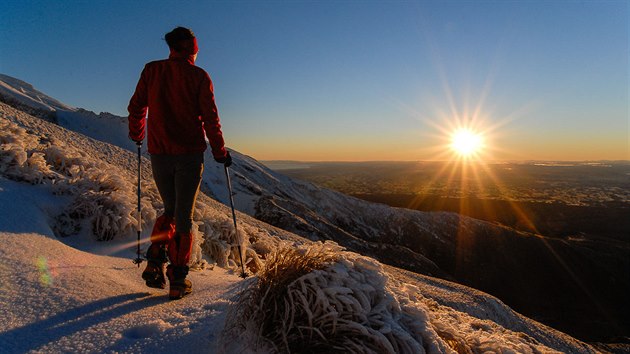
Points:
x=265, y=309
x=288, y=264
x=101, y=193
x=279, y=317
x=319, y=299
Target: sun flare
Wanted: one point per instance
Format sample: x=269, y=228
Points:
x=466, y=143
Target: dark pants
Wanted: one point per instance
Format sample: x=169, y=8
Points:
x=178, y=178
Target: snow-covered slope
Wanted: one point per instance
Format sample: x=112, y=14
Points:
x=518, y=267
x=62, y=291
x=59, y=299
x=104, y=126
x=26, y=94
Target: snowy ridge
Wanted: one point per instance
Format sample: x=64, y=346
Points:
x=86, y=302
x=104, y=126
x=26, y=94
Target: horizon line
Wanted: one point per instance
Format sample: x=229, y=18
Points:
x=476, y=161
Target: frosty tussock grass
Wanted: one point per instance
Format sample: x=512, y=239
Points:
x=320, y=299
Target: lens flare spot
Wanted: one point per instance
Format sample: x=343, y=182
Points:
x=45, y=276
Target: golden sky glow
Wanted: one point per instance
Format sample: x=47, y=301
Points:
x=534, y=78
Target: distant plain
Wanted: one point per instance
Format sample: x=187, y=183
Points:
x=555, y=199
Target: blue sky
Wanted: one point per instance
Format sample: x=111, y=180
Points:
x=354, y=80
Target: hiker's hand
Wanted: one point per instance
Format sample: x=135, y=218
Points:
x=226, y=161
x=136, y=140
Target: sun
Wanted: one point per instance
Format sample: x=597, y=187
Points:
x=466, y=143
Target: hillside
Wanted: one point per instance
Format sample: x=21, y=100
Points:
x=582, y=300
x=74, y=190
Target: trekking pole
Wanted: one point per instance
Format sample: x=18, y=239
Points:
x=139, y=259
x=240, y=254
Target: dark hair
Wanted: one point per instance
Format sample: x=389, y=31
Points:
x=176, y=36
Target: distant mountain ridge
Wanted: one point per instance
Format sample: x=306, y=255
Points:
x=490, y=257
x=26, y=94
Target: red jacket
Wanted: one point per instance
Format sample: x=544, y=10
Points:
x=180, y=100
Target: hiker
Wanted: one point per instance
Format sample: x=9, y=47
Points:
x=181, y=113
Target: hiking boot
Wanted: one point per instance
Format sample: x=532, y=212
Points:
x=179, y=285
x=153, y=274
x=180, y=289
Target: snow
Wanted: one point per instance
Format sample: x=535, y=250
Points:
x=61, y=290
x=104, y=127
x=26, y=94
x=56, y=298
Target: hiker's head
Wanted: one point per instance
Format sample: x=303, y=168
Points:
x=182, y=40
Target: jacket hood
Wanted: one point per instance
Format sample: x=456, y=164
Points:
x=183, y=56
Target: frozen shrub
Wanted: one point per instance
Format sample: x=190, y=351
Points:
x=11, y=158
x=36, y=169
x=18, y=160
x=264, y=312
x=101, y=193
x=65, y=225
x=319, y=299
x=217, y=241
x=221, y=243
x=196, y=257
